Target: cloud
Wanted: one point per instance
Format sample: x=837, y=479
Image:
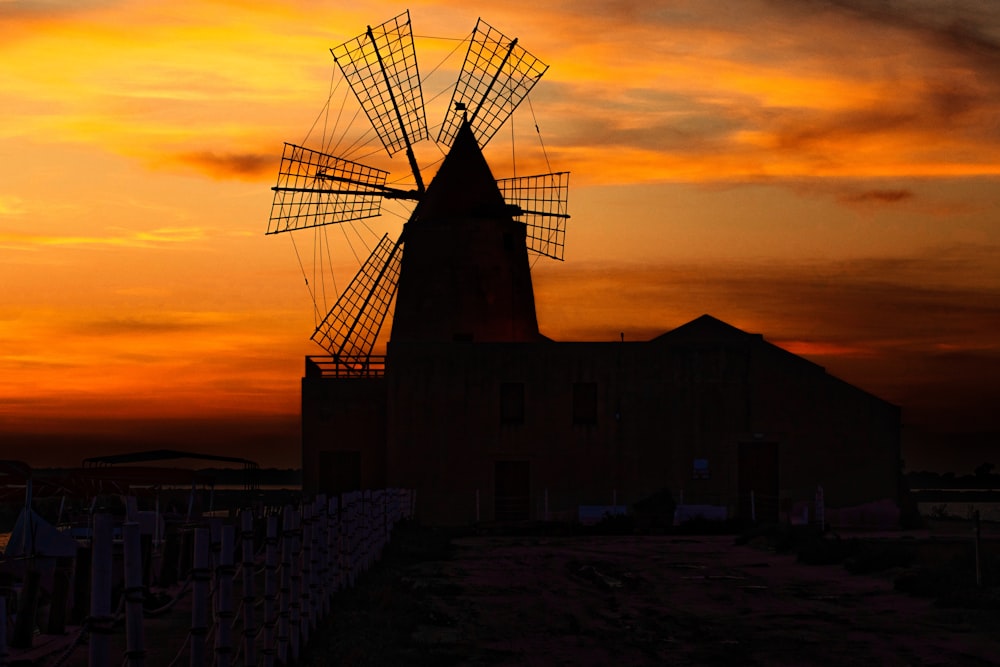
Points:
x=877, y=196
x=242, y=166
x=125, y=239
x=164, y=324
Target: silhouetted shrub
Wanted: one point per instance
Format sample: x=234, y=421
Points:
x=655, y=513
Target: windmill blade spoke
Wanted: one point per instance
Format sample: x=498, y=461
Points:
x=496, y=76
x=540, y=202
x=316, y=189
x=351, y=328
x=381, y=68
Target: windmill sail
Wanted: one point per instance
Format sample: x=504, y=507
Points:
x=351, y=327
x=540, y=203
x=316, y=189
x=496, y=76
x=381, y=67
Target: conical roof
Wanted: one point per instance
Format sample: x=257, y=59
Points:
x=464, y=274
x=464, y=185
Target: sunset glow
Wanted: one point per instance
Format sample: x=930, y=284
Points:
x=823, y=173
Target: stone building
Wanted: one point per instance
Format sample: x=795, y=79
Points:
x=487, y=418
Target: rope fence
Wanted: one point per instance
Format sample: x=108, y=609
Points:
x=259, y=586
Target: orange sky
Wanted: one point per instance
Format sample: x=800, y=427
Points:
x=822, y=172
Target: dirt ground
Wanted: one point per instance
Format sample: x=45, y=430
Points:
x=637, y=600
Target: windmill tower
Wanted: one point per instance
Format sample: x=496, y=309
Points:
x=465, y=273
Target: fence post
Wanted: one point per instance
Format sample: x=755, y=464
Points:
x=753, y=508
x=979, y=572
x=322, y=568
x=3, y=627
x=100, y=592
x=306, y=563
x=334, y=540
x=249, y=625
x=224, y=598
x=820, y=509
x=295, y=593
x=316, y=563
x=284, y=613
x=201, y=575
x=270, y=589
x=329, y=560
x=349, y=533
x=135, y=654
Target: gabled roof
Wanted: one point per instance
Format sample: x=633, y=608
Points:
x=464, y=186
x=706, y=329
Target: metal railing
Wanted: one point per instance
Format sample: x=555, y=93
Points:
x=340, y=366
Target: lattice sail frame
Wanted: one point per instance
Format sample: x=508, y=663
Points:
x=540, y=203
x=351, y=327
x=381, y=68
x=496, y=76
x=315, y=189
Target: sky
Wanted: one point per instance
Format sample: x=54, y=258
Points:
x=824, y=173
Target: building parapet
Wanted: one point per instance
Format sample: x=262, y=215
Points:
x=341, y=366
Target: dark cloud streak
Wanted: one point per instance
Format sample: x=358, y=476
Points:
x=243, y=166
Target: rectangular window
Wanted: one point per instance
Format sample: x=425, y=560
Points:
x=512, y=403
x=584, y=402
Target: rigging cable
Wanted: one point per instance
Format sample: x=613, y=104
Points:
x=539, y=133
x=306, y=278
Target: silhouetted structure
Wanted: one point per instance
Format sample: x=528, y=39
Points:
x=488, y=419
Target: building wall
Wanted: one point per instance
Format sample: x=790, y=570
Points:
x=660, y=406
x=341, y=416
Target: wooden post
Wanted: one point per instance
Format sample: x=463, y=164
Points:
x=337, y=555
x=979, y=572
x=215, y=533
x=306, y=563
x=753, y=508
x=201, y=575
x=100, y=592
x=386, y=517
x=224, y=598
x=347, y=538
x=135, y=652
x=820, y=509
x=131, y=509
x=4, y=655
x=331, y=554
x=270, y=590
x=295, y=594
x=322, y=566
x=249, y=624
x=27, y=606
x=284, y=613
x=318, y=565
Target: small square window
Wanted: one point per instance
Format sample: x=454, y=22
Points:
x=584, y=402
x=512, y=403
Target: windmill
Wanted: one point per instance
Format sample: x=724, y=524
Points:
x=315, y=188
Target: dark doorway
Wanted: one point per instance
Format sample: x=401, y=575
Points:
x=758, y=472
x=339, y=471
x=512, y=496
